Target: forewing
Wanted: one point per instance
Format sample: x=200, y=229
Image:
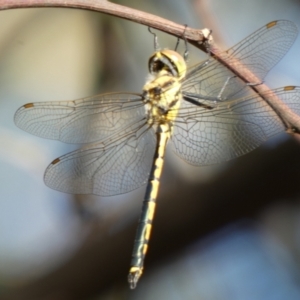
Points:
x=205, y=136
x=258, y=53
x=117, y=167
x=81, y=121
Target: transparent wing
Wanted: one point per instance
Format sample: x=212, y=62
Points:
x=120, y=165
x=259, y=53
x=205, y=136
x=81, y=121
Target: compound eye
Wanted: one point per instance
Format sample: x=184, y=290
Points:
x=168, y=60
x=176, y=60
x=155, y=65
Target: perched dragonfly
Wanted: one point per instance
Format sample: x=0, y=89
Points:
x=208, y=113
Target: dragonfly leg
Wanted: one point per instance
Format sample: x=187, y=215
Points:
x=186, y=51
x=224, y=86
x=156, y=45
x=227, y=81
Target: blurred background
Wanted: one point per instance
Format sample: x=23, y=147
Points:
x=230, y=231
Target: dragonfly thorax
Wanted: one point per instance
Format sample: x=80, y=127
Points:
x=162, y=96
x=162, y=92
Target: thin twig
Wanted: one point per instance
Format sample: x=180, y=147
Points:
x=193, y=36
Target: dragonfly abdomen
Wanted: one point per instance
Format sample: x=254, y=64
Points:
x=145, y=223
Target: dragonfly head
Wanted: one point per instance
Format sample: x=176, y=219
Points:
x=169, y=61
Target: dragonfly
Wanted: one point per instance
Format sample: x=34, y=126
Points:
x=206, y=112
